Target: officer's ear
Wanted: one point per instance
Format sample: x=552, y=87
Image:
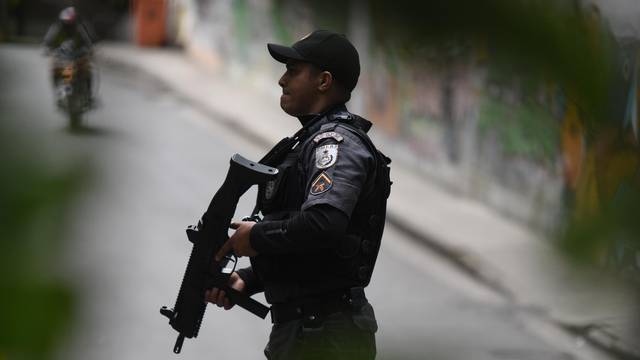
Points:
x=325, y=81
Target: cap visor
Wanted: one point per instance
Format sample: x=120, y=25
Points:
x=283, y=53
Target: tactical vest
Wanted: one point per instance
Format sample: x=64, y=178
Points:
x=356, y=255
x=368, y=218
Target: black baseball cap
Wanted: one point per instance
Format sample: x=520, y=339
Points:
x=327, y=50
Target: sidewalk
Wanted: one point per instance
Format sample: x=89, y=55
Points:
x=504, y=256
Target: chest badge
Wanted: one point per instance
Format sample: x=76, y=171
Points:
x=321, y=184
x=326, y=155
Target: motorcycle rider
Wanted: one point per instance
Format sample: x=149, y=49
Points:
x=69, y=32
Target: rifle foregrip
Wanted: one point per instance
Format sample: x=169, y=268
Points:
x=246, y=302
x=207, y=237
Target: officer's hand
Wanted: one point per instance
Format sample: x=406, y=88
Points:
x=219, y=297
x=239, y=241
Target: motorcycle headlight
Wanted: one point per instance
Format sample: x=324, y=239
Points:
x=67, y=72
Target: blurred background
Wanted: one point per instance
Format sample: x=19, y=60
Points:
x=513, y=228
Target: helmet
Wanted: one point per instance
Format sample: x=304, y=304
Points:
x=68, y=15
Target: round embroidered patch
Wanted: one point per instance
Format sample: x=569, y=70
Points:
x=326, y=156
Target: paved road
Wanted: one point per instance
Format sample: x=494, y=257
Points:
x=156, y=162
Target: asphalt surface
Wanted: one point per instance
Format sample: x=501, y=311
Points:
x=156, y=163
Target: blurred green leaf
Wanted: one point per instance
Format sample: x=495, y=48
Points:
x=35, y=197
x=561, y=41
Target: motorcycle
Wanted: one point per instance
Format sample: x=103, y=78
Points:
x=72, y=81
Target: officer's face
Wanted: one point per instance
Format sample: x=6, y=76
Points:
x=299, y=88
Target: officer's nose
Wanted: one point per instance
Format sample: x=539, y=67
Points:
x=282, y=82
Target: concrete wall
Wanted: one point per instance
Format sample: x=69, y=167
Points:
x=428, y=116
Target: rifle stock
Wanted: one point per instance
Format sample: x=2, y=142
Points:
x=208, y=236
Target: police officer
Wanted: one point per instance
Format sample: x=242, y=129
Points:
x=314, y=251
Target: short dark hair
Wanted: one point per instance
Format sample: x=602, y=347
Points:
x=343, y=92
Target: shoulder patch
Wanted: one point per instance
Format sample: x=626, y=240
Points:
x=329, y=134
x=321, y=184
x=342, y=116
x=326, y=155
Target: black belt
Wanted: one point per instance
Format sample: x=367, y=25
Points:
x=315, y=309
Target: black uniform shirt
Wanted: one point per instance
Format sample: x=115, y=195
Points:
x=296, y=255
x=336, y=164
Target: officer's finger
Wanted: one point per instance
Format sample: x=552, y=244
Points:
x=234, y=225
x=221, y=297
x=212, y=295
x=227, y=304
x=224, y=250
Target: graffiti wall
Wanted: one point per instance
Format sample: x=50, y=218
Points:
x=454, y=115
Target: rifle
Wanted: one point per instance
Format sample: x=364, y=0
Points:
x=207, y=237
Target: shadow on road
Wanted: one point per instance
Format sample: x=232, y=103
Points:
x=95, y=131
